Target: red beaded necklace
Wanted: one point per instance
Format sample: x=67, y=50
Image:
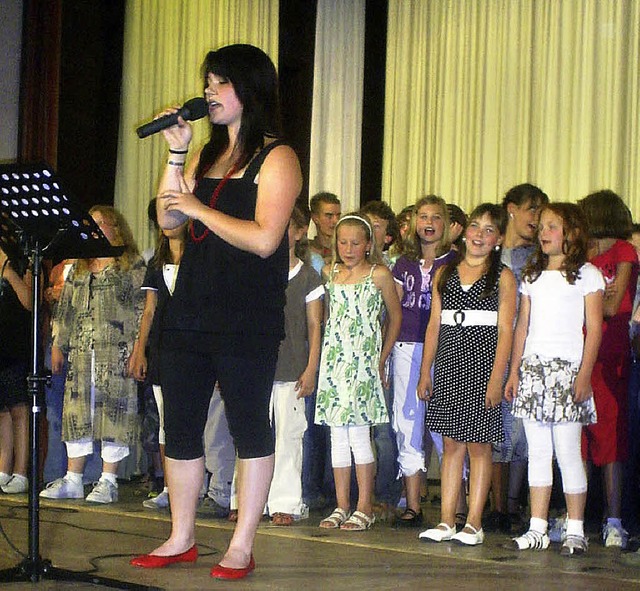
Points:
x=212, y=204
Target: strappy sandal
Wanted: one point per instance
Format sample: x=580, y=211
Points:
x=282, y=519
x=358, y=521
x=335, y=520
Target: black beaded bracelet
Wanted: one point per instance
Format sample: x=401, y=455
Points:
x=172, y=151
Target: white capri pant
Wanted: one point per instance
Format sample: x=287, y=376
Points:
x=409, y=410
x=563, y=438
x=157, y=394
x=111, y=452
x=351, y=438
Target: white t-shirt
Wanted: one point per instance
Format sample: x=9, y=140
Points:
x=556, y=319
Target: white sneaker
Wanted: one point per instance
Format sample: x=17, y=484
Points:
x=532, y=540
x=103, y=492
x=18, y=484
x=4, y=478
x=441, y=533
x=614, y=536
x=159, y=502
x=63, y=488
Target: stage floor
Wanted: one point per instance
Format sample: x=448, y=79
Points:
x=81, y=537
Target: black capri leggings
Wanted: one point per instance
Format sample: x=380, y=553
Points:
x=187, y=380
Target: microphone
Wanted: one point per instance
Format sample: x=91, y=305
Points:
x=195, y=108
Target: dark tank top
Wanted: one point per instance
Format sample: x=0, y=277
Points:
x=226, y=300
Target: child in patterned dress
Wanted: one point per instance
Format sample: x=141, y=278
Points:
x=352, y=368
x=551, y=365
x=468, y=342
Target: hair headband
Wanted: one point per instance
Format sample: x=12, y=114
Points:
x=356, y=217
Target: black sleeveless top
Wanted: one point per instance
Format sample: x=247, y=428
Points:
x=226, y=300
x=15, y=327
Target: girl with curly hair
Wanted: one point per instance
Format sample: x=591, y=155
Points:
x=551, y=365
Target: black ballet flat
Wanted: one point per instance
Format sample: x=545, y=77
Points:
x=410, y=518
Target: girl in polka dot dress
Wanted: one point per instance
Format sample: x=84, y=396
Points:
x=468, y=341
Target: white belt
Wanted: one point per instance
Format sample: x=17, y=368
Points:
x=469, y=318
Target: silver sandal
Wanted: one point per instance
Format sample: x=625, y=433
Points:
x=335, y=520
x=358, y=521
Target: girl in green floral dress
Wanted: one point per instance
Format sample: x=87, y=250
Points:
x=352, y=368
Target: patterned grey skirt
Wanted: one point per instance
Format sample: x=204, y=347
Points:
x=545, y=393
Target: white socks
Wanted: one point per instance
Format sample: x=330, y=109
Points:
x=75, y=477
x=112, y=478
x=575, y=527
x=539, y=525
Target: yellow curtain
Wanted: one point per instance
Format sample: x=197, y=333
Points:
x=483, y=95
x=336, y=120
x=164, y=46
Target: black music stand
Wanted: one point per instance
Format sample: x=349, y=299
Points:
x=38, y=220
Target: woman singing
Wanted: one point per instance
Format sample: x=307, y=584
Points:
x=226, y=318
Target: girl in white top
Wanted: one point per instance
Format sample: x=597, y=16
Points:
x=551, y=364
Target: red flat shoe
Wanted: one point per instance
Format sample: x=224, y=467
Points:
x=224, y=572
x=153, y=561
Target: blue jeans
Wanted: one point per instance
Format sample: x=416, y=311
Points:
x=317, y=475
x=388, y=487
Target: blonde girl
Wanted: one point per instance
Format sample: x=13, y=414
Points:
x=95, y=326
x=350, y=394
x=427, y=247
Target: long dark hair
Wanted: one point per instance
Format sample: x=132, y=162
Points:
x=575, y=245
x=493, y=263
x=162, y=255
x=520, y=194
x=255, y=82
x=607, y=215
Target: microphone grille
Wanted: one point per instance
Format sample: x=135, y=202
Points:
x=195, y=108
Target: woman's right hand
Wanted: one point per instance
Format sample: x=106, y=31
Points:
x=511, y=387
x=425, y=387
x=57, y=360
x=137, y=365
x=178, y=136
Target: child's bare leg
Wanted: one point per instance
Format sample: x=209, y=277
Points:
x=540, y=497
x=342, y=478
x=479, y=481
x=450, y=481
x=365, y=475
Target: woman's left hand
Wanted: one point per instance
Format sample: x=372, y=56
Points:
x=582, y=389
x=382, y=371
x=185, y=203
x=306, y=383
